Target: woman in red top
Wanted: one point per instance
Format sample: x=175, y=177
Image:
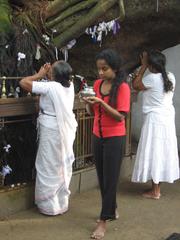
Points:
x=110, y=106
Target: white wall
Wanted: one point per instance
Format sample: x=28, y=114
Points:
x=173, y=65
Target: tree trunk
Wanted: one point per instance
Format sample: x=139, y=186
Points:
x=72, y=10
x=74, y=17
x=69, y=22
x=58, y=6
x=97, y=11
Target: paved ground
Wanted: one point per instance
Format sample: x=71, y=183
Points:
x=140, y=219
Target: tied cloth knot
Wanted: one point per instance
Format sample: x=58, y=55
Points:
x=7, y=147
x=6, y=170
x=21, y=56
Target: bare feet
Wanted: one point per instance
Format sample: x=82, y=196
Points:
x=152, y=195
x=109, y=220
x=148, y=190
x=99, y=231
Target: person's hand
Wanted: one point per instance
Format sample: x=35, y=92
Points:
x=44, y=70
x=85, y=100
x=144, y=59
x=92, y=100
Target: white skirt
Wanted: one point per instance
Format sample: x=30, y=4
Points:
x=157, y=155
x=51, y=190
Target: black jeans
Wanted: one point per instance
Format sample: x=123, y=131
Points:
x=108, y=153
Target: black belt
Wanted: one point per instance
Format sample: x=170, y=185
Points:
x=42, y=111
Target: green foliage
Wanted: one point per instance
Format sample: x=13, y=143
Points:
x=5, y=16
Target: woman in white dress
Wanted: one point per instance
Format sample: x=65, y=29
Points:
x=56, y=133
x=157, y=155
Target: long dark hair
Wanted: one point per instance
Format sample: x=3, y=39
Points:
x=115, y=62
x=157, y=61
x=61, y=73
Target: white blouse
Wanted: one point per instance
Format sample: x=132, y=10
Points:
x=154, y=98
x=47, y=115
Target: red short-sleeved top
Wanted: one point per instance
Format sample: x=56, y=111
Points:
x=104, y=124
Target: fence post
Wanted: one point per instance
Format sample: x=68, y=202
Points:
x=3, y=94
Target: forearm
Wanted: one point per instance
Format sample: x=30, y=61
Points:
x=26, y=83
x=112, y=112
x=137, y=81
x=89, y=109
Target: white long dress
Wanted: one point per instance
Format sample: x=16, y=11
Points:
x=57, y=128
x=157, y=154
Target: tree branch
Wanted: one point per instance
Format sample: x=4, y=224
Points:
x=121, y=9
x=98, y=10
x=58, y=6
x=68, y=22
x=72, y=10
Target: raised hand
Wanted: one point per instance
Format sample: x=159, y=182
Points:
x=44, y=70
x=144, y=59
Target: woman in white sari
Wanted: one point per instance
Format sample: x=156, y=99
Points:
x=157, y=155
x=56, y=131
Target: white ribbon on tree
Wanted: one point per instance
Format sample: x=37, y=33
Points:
x=157, y=6
x=97, y=31
x=38, y=53
x=66, y=48
x=6, y=170
x=46, y=38
x=7, y=147
x=21, y=56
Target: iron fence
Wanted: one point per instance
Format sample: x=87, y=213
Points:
x=83, y=141
x=12, y=132
x=20, y=112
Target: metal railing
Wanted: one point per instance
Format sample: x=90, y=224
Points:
x=9, y=88
x=11, y=120
x=83, y=141
x=20, y=167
